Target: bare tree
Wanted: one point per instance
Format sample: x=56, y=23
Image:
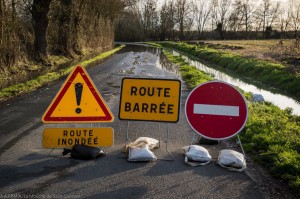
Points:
x=284, y=19
x=40, y=11
x=263, y=12
x=203, y=11
x=1, y=20
x=129, y=24
x=220, y=15
x=78, y=8
x=184, y=16
x=236, y=17
x=150, y=18
x=267, y=13
x=247, y=10
x=167, y=20
x=295, y=16
x=64, y=16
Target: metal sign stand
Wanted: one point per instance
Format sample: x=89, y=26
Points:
x=193, y=138
x=127, y=134
x=166, y=141
x=240, y=143
x=160, y=135
x=56, y=126
x=159, y=130
x=51, y=151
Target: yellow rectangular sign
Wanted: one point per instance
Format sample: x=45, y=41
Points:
x=68, y=137
x=150, y=99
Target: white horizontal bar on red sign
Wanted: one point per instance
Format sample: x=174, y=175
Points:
x=208, y=109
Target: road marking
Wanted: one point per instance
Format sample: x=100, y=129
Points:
x=208, y=109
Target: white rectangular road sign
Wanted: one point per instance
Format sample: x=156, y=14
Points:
x=216, y=110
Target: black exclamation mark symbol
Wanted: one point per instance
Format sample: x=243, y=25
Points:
x=78, y=92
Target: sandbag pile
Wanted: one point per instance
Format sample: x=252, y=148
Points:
x=196, y=155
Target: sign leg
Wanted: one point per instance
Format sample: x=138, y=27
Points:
x=240, y=143
x=166, y=141
x=51, y=151
x=159, y=131
x=136, y=134
x=193, y=138
x=127, y=134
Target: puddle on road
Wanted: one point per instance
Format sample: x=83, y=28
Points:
x=110, y=84
x=124, y=72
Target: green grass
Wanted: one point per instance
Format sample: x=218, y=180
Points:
x=42, y=80
x=271, y=135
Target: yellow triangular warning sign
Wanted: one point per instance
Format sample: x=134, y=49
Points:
x=78, y=100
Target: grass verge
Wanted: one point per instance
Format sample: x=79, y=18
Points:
x=42, y=80
x=271, y=135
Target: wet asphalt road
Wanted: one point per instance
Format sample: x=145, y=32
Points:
x=28, y=170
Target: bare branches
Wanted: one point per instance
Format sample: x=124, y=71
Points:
x=294, y=7
x=203, y=13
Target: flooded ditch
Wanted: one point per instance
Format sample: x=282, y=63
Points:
x=279, y=100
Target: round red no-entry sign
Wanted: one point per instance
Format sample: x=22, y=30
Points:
x=216, y=110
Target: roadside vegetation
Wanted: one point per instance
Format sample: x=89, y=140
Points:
x=37, y=37
x=271, y=135
x=42, y=80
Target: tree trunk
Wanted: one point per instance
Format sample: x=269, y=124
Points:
x=1, y=22
x=39, y=13
x=13, y=16
x=76, y=19
x=246, y=23
x=64, y=24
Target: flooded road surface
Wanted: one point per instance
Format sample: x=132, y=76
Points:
x=28, y=170
x=279, y=100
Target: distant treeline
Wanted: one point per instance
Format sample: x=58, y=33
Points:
x=208, y=19
x=209, y=35
x=240, y=35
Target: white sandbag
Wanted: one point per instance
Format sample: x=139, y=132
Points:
x=232, y=160
x=141, y=153
x=151, y=142
x=196, y=155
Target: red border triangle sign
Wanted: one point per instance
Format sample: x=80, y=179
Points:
x=78, y=100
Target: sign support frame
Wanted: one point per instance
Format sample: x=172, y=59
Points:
x=160, y=133
x=138, y=118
